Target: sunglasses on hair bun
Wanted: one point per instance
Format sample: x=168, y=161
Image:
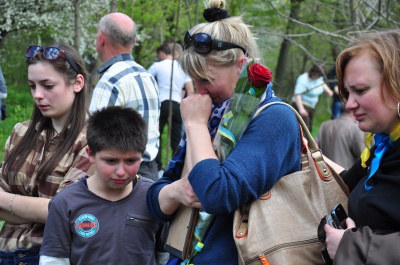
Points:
x=204, y=43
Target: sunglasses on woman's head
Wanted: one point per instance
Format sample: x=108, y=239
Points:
x=50, y=53
x=204, y=43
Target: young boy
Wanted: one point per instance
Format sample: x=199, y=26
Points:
x=103, y=219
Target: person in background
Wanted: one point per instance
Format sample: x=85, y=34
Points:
x=125, y=83
x=3, y=95
x=177, y=49
x=164, y=72
x=104, y=218
x=368, y=72
x=336, y=102
x=163, y=53
x=45, y=154
x=340, y=139
x=309, y=86
x=214, y=54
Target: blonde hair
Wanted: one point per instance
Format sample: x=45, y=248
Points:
x=384, y=51
x=231, y=29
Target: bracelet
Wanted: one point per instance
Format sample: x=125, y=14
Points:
x=10, y=204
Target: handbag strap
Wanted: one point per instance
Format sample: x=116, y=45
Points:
x=308, y=143
x=324, y=170
x=312, y=145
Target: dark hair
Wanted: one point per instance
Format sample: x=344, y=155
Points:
x=76, y=120
x=164, y=48
x=316, y=69
x=116, y=128
x=177, y=47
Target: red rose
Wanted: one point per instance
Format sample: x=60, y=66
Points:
x=259, y=75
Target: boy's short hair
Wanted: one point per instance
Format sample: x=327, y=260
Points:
x=116, y=128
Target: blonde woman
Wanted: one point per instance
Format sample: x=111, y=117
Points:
x=213, y=55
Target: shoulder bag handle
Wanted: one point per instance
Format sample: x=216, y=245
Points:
x=324, y=170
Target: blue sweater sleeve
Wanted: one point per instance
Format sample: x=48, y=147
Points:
x=152, y=199
x=268, y=150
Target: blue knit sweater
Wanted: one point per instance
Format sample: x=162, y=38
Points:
x=268, y=150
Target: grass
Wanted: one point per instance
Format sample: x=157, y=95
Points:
x=19, y=105
x=164, y=159
x=322, y=112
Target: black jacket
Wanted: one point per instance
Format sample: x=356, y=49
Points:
x=376, y=213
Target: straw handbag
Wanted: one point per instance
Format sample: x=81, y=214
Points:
x=280, y=228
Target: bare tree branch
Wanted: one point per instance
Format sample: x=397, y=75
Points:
x=308, y=25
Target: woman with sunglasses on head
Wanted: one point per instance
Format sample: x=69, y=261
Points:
x=268, y=149
x=368, y=72
x=45, y=154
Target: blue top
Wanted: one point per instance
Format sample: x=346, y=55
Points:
x=304, y=83
x=269, y=149
x=3, y=86
x=3, y=90
x=84, y=227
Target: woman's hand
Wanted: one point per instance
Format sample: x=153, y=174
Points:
x=196, y=109
x=327, y=90
x=303, y=112
x=334, y=236
x=299, y=104
x=195, y=112
x=177, y=193
x=185, y=193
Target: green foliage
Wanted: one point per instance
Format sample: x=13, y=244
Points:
x=164, y=158
x=19, y=104
x=158, y=22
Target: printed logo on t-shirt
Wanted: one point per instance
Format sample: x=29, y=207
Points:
x=87, y=225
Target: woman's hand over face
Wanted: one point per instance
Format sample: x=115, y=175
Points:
x=196, y=109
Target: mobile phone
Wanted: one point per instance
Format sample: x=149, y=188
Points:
x=339, y=217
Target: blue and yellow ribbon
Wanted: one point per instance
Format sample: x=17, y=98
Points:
x=228, y=134
x=382, y=142
x=199, y=246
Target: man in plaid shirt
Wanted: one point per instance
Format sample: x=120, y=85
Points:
x=124, y=82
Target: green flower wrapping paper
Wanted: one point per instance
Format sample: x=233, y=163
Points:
x=251, y=85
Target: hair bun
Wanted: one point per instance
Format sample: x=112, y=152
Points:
x=214, y=14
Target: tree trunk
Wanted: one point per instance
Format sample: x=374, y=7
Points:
x=286, y=91
x=77, y=22
x=113, y=6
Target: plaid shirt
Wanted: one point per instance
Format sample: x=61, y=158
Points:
x=75, y=165
x=126, y=83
